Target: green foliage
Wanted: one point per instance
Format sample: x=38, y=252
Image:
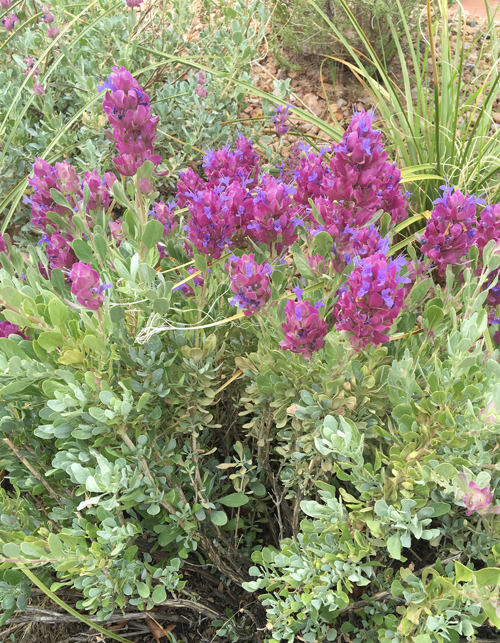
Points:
x=296, y=26
x=67, y=123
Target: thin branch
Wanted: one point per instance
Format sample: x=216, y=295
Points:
x=37, y=475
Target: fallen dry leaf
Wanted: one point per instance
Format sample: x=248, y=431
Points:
x=157, y=630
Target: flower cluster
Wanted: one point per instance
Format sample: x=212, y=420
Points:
x=164, y=212
x=3, y=245
x=47, y=17
x=489, y=415
x=351, y=245
x=53, y=32
x=63, y=178
x=86, y=286
x=6, y=329
x=202, y=81
x=134, y=3
x=5, y=4
x=304, y=330
x=281, y=119
x=130, y=114
x=240, y=165
x=475, y=499
x=272, y=221
x=250, y=283
x=371, y=300
x=59, y=252
x=210, y=227
x=358, y=181
x=9, y=21
x=450, y=231
x=31, y=66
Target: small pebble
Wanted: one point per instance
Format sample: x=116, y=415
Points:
x=473, y=23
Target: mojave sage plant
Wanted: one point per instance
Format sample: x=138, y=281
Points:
x=249, y=380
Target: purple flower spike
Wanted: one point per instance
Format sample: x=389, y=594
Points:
x=134, y=128
x=86, y=285
x=273, y=215
x=5, y=4
x=6, y=329
x=304, y=330
x=164, y=212
x=450, y=231
x=9, y=21
x=59, y=252
x=53, y=32
x=134, y=3
x=38, y=89
x=242, y=165
x=101, y=190
x=67, y=179
x=30, y=66
x=371, y=301
x=251, y=284
x=3, y=245
x=45, y=178
x=281, y=119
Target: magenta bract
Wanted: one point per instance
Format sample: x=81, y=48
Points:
x=6, y=329
x=9, y=21
x=450, y=231
x=272, y=220
x=130, y=114
x=164, y=212
x=304, y=330
x=251, y=283
x=371, y=300
x=86, y=285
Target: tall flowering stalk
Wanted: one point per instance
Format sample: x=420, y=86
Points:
x=273, y=221
x=250, y=283
x=280, y=120
x=130, y=114
x=450, y=231
x=304, y=330
x=371, y=300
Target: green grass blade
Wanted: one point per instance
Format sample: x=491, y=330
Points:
x=34, y=579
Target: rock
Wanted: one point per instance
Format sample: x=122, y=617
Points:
x=305, y=127
x=496, y=118
x=366, y=99
x=341, y=103
x=473, y=23
x=495, y=127
x=315, y=104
